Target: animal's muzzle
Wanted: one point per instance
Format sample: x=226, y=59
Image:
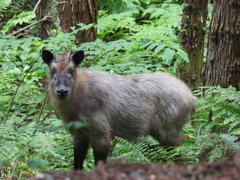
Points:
x=62, y=93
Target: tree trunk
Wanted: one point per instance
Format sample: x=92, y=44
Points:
x=192, y=39
x=223, y=56
x=47, y=9
x=79, y=11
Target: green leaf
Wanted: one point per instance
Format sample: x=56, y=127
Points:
x=167, y=54
x=27, y=44
x=136, y=46
x=183, y=55
x=4, y=99
x=159, y=48
x=40, y=97
x=33, y=110
x=229, y=119
x=110, y=47
x=37, y=43
x=152, y=46
x=235, y=132
x=47, y=107
x=145, y=44
x=146, y=1
x=118, y=47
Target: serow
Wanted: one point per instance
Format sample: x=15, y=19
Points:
x=127, y=106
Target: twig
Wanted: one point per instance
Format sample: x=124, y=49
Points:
x=42, y=120
x=45, y=117
x=15, y=93
x=102, y=55
x=15, y=166
x=95, y=60
x=63, y=2
x=41, y=110
x=35, y=8
x=44, y=19
x=14, y=62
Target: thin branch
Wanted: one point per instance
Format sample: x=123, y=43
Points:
x=21, y=68
x=35, y=8
x=102, y=55
x=41, y=110
x=44, y=19
x=95, y=60
x=63, y=2
x=45, y=117
x=15, y=166
x=15, y=93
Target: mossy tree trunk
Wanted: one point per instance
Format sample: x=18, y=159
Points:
x=223, y=56
x=47, y=9
x=79, y=11
x=192, y=39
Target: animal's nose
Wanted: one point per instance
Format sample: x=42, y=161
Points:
x=62, y=93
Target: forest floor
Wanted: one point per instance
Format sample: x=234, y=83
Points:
x=223, y=170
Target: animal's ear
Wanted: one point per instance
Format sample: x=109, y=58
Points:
x=78, y=57
x=47, y=56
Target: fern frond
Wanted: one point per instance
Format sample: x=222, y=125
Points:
x=4, y=4
x=116, y=25
x=23, y=17
x=120, y=6
x=224, y=106
x=126, y=151
x=151, y=149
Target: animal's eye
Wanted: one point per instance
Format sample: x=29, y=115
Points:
x=70, y=71
x=53, y=71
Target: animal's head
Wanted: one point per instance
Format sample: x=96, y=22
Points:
x=62, y=69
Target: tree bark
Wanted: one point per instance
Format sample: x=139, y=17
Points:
x=223, y=56
x=192, y=39
x=79, y=11
x=47, y=9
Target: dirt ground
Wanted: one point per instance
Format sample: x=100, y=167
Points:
x=224, y=170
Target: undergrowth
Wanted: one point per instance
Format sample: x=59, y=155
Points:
x=14, y=14
x=33, y=139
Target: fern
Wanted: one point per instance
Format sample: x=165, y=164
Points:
x=224, y=107
x=153, y=43
x=4, y=4
x=165, y=19
x=151, y=149
x=168, y=15
x=126, y=151
x=131, y=44
x=116, y=25
x=219, y=131
x=157, y=18
x=23, y=17
x=117, y=7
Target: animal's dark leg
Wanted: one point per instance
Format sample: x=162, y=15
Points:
x=80, y=152
x=101, y=150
